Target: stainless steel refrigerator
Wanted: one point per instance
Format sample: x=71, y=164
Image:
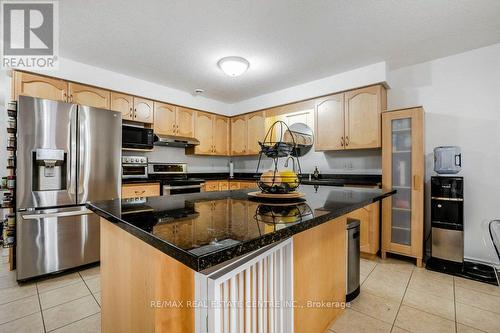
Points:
x=67, y=155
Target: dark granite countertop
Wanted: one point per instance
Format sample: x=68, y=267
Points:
x=324, y=179
x=202, y=230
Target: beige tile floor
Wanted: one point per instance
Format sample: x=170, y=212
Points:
x=398, y=297
x=395, y=297
x=67, y=303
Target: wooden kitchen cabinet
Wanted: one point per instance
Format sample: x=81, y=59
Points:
x=213, y=133
x=369, y=218
x=363, y=108
x=211, y=186
x=134, y=190
x=403, y=170
x=350, y=120
x=33, y=85
x=143, y=110
x=238, y=135
x=184, y=121
x=204, y=132
x=246, y=132
x=88, y=95
x=173, y=120
x=256, y=131
x=165, y=118
x=221, y=136
x=329, y=123
x=123, y=103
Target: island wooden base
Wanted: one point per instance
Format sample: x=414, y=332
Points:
x=319, y=264
x=134, y=274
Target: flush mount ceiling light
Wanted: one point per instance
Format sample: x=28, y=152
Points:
x=233, y=66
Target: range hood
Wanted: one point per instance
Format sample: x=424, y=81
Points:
x=174, y=141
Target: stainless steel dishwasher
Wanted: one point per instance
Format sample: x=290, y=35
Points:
x=352, y=281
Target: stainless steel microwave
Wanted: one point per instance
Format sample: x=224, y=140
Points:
x=137, y=137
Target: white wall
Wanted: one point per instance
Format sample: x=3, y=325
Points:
x=363, y=76
x=195, y=163
x=461, y=97
x=79, y=72
x=366, y=161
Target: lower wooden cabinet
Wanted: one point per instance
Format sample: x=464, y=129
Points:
x=224, y=185
x=369, y=218
x=135, y=190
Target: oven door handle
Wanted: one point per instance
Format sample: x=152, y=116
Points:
x=166, y=187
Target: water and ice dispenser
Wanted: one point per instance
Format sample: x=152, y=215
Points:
x=49, y=170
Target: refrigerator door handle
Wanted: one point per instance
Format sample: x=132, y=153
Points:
x=61, y=214
x=73, y=148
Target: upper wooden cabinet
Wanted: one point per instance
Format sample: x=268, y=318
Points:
x=221, y=135
x=39, y=86
x=329, y=123
x=173, y=120
x=88, y=95
x=363, y=123
x=164, y=118
x=123, y=103
x=213, y=133
x=256, y=130
x=143, y=110
x=204, y=129
x=185, y=122
x=350, y=120
x=238, y=135
x=246, y=132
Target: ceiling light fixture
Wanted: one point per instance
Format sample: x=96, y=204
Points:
x=233, y=66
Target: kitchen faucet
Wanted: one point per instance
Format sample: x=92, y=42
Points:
x=293, y=163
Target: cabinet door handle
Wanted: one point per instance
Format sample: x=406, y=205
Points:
x=131, y=112
x=65, y=97
x=347, y=141
x=140, y=192
x=342, y=141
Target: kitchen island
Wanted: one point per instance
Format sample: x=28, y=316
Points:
x=222, y=262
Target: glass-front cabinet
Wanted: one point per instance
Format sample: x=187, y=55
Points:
x=403, y=171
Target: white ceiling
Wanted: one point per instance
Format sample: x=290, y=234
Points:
x=177, y=43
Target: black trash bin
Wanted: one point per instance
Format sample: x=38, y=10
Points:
x=352, y=259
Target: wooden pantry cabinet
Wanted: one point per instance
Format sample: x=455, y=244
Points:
x=213, y=133
x=173, y=120
x=246, y=131
x=350, y=120
x=403, y=170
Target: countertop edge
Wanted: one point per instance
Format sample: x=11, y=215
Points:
x=212, y=259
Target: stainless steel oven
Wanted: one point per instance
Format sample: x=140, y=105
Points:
x=137, y=137
x=134, y=167
x=171, y=189
x=174, y=178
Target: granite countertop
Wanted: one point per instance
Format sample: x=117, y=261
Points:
x=324, y=179
x=203, y=230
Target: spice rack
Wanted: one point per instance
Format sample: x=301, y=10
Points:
x=8, y=186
